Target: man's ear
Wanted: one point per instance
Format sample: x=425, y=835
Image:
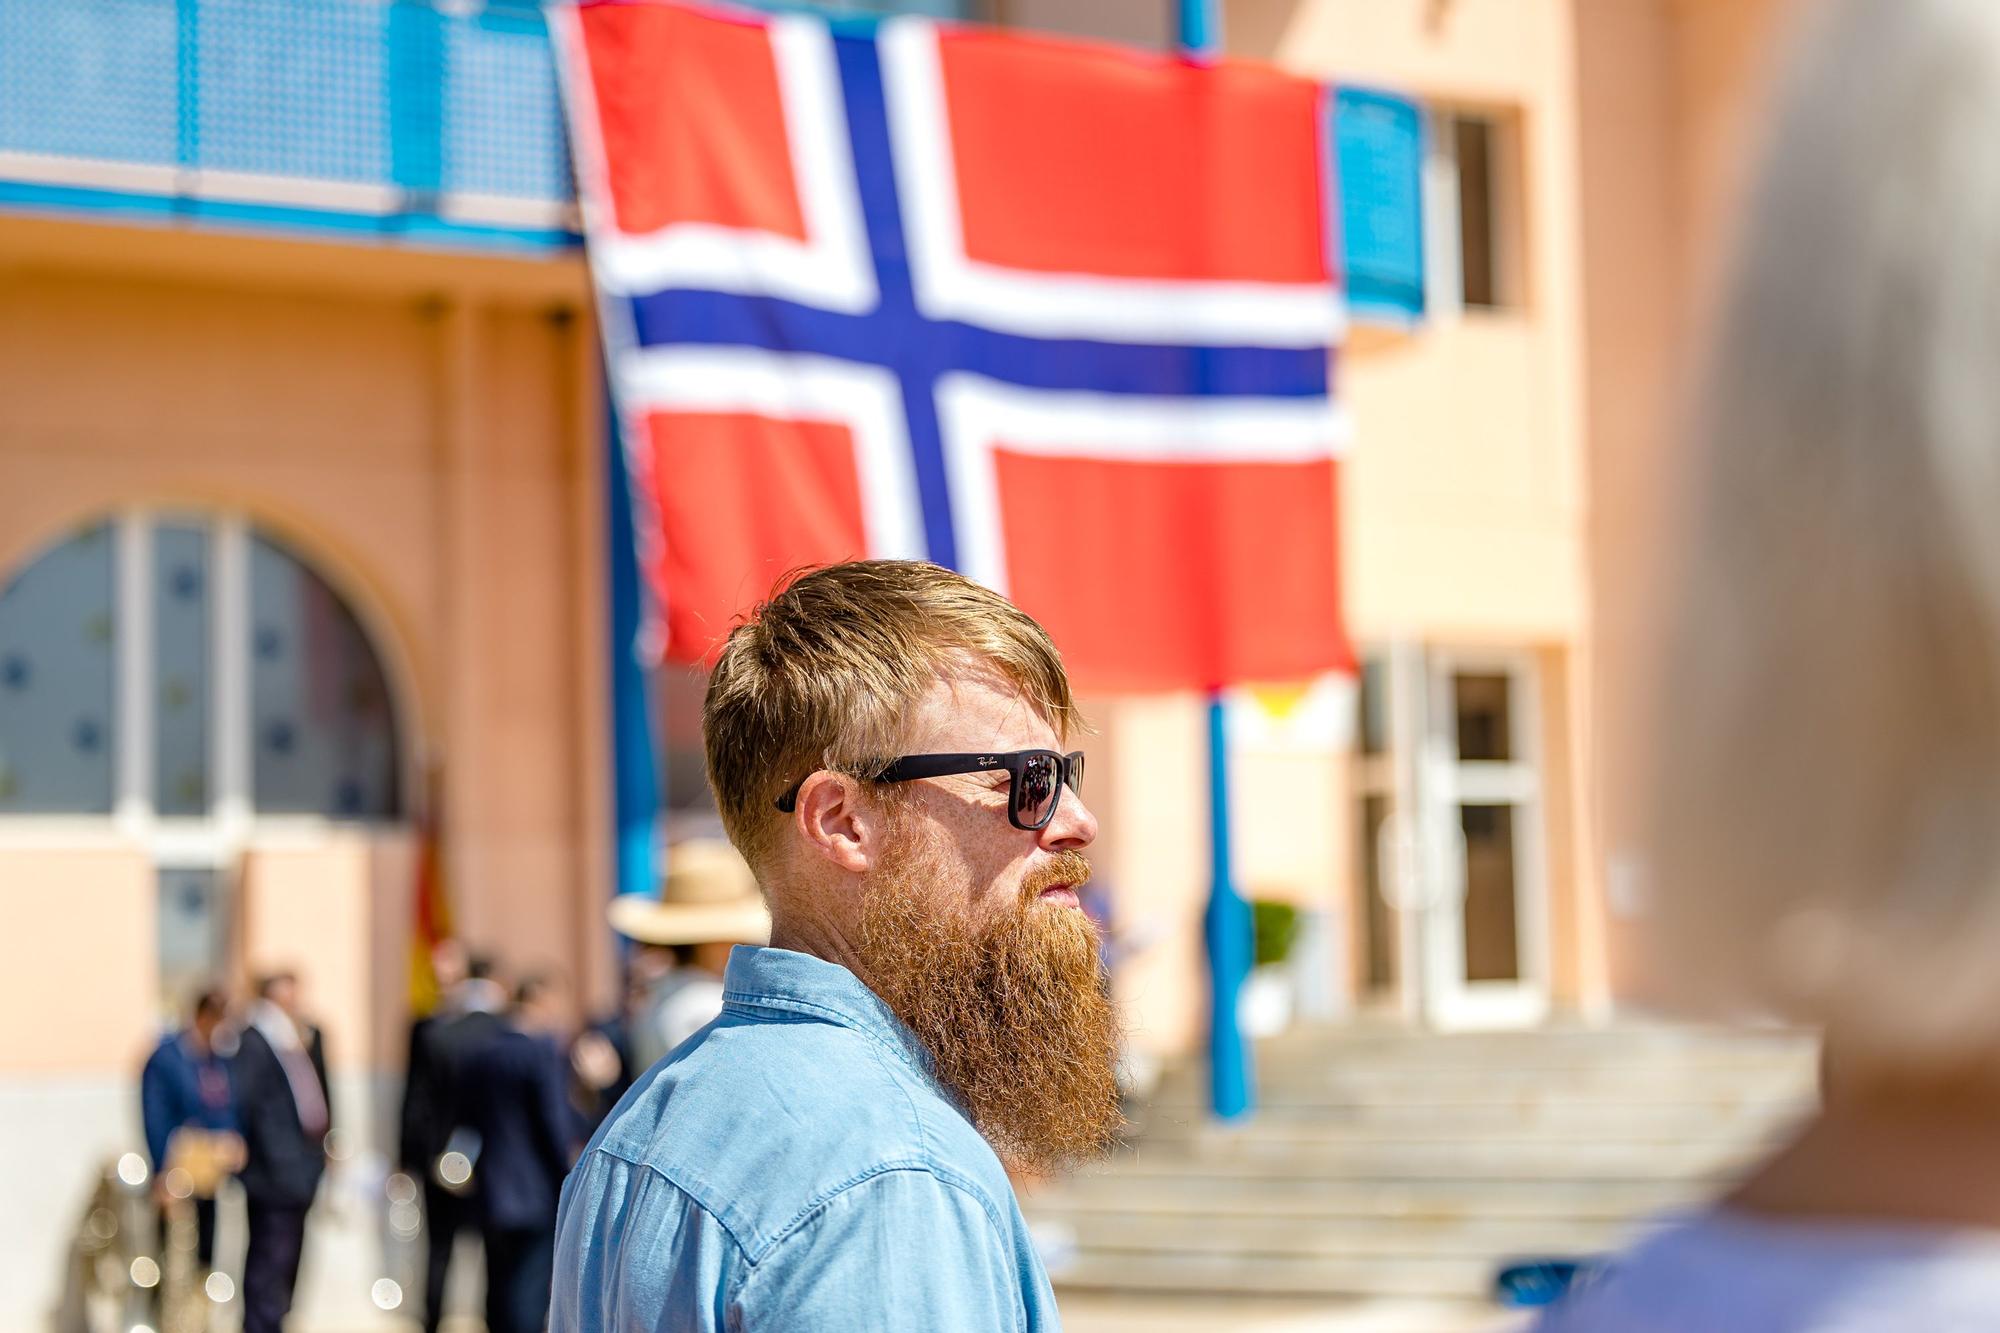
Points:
x=837, y=822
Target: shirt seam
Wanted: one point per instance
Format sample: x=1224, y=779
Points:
x=852, y=1022
x=916, y=1116
x=653, y=1169
x=944, y=1175
x=903, y=1061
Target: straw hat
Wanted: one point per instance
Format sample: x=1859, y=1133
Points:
x=708, y=895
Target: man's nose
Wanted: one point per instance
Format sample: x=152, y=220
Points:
x=1073, y=828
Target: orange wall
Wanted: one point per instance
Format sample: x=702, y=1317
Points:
x=78, y=977
x=1509, y=469
x=334, y=908
x=1467, y=496
x=1671, y=93
x=424, y=429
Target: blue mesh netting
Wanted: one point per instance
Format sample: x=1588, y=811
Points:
x=391, y=92
x=89, y=80
x=293, y=88
x=503, y=131
x=426, y=95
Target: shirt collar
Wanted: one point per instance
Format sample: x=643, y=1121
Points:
x=760, y=977
x=276, y=1025
x=479, y=995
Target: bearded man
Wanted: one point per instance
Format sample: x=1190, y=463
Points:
x=888, y=743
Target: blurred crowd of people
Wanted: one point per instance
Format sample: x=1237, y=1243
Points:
x=502, y=1089
x=501, y=1096
x=244, y=1092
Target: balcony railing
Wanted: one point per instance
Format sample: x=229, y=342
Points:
x=406, y=114
x=423, y=120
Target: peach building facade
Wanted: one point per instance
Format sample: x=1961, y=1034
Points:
x=421, y=429
x=1459, y=846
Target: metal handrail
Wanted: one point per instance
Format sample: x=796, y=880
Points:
x=118, y=1270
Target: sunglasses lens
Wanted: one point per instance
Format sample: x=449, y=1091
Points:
x=1039, y=788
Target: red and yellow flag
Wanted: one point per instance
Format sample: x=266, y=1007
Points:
x=432, y=922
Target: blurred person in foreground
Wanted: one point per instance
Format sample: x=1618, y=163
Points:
x=708, y=903
x=472, y=1000
x=515, y=1087
x=1825, y=836
x=281, y=1097
x=886, y=744
x=602, y=1055
x=189, y=1111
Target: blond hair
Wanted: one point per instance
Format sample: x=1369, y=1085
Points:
x=1825, y=830
x=825, y=674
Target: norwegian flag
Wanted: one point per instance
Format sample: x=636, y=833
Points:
x=1058, y=315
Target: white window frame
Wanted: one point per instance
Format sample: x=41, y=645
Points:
x=217, y=838
x=1443, y=213
x=1444, y=283
x=1516, y=784
x=1421, y=849
x=1377, y=775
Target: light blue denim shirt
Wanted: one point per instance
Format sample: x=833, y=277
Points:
x=793, y=1168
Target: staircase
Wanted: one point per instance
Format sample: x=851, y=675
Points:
x=1383, y=1163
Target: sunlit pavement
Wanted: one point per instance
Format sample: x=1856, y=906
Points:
x=1123, y=1314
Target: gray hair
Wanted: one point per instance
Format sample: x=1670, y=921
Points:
x=1825, y=802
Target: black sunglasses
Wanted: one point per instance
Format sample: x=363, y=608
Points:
x=1038, y=779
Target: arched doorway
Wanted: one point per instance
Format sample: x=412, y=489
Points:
x=186, y=679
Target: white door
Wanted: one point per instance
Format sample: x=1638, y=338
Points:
x=1484, y=931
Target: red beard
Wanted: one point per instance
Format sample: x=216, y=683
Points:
x=1016, y=1014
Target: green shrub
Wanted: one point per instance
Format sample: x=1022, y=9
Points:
x=1276, y=928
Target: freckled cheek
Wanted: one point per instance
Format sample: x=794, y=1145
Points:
x=997, y=867
x=993, y=853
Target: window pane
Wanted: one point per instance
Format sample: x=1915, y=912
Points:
x=193, y=934
x=1485, y=717
x=1492, y=943
x=1378, y=921
x=180, y=666
x=57, y=679
x=324, y=730
x=1478, y=263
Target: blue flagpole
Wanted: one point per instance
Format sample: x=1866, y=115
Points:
x=1200, y=24
x=636, y=790
x=1226, y=924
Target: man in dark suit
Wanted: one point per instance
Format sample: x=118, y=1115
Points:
x=517, y=1100
x=185, y=1090
x=439, y=1043
x=281, y=1095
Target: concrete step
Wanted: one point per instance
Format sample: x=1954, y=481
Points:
x=1630, y=1043
x=1199, y=1271
x=1638, y=1126
x=1387, y=1165
x=1189, y=1195
x=1356, y=1081
x=1449, y=1159
x=1188, y=1312
x=1339, y=1237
